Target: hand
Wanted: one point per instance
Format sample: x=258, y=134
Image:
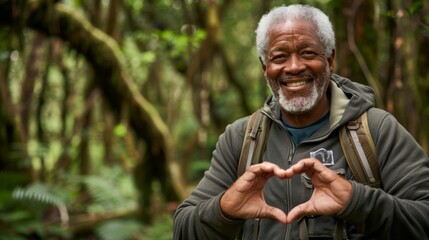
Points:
x=331, y=191
x=245, y=198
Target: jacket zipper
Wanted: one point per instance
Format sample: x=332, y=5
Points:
x=286, y=234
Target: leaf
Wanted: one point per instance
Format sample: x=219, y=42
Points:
x=107, y=193
x=415, y=7
x=120, y=130
x=118, y=229
x=38, y=192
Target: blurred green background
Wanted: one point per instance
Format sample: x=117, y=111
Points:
x=110, y=109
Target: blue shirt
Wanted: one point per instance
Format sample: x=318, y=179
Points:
x=300, y=134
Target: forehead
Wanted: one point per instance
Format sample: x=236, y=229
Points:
x=293, y=30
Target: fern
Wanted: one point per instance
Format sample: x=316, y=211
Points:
x=40, y=192
x=119, y=230
x=105, y=194
x=108, y=192
x=37, y=192
x=160, y=229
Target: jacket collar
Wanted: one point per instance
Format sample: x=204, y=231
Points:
x=348, y=101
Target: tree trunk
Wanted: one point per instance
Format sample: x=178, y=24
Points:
x=115, y=83
x=27, y=90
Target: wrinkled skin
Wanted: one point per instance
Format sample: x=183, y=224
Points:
x=245, y=199
x=298, y=71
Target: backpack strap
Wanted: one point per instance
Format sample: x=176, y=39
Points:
x=255, y=140
x=359, y=150
x=254, y=143
x=356, y=142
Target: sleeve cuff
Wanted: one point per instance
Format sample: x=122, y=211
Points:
x=214, y=217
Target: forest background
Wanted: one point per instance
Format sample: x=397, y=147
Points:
x=110, y=109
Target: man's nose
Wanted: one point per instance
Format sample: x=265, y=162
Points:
x=294, y=65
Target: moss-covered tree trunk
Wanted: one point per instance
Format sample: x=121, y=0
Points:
x=118, y=89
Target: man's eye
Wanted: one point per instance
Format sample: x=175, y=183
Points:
x=308, y=54
x=278, y=58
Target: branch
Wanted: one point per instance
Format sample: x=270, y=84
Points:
x=103, y=53
x=359, y=57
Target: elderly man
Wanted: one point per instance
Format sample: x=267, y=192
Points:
x=291, y=195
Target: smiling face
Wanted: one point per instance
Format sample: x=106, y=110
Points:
x=297, y=68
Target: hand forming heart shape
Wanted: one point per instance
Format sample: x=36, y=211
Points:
x=245, y=198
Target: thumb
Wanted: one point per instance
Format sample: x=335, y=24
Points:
x=276, y=214
x=297, y=212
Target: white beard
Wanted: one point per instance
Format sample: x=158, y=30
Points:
x=299, y=104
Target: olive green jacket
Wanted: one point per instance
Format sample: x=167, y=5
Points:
x=398, y=210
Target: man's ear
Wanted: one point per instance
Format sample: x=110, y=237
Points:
x=331, y=61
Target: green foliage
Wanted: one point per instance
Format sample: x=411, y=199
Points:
x=120, y=130
x=126, y=229
x=111, y=191
x=39, y=192
x=198, y=168
x=123, y=229
x=9, y=180
x=415, y=7
x=10, y=220
x=158, y=39
x=160, y=229
x=23, y=210
x=179, y=44
x=136, y=6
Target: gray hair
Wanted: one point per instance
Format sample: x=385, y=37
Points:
x=281, y=14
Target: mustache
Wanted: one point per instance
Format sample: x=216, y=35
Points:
x=275, y=83
x=289, y=77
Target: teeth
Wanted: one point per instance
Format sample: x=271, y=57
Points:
x=296, y=84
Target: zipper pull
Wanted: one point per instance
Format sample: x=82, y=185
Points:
x=292, y=152
x=290, y=158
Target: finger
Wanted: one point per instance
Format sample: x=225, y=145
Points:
x=266, y=170
x=255, y=176
x=308, y=166
x=300, y=167
x=298, y=212
x=273, y=169
x=275, y=213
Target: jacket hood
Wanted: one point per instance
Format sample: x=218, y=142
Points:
x=348, y=101
x=352, y=98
